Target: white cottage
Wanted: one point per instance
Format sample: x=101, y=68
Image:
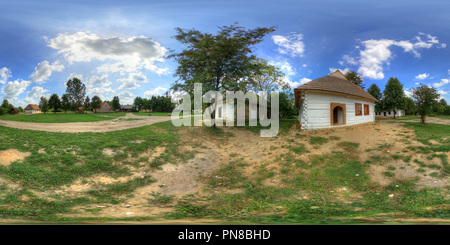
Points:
x=397, y=113
x=333, y=101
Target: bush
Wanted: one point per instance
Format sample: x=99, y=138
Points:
x=3, y=111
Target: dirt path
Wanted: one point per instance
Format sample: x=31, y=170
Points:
x=432, y=120
x=99, y=126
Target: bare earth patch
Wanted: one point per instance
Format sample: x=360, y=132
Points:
x=178, y=179
x=99, y=126
x=11, y=155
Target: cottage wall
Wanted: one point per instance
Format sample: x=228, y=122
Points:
x=391, y=113
x=315, y=109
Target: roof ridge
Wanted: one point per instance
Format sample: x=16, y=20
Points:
x=337, y=84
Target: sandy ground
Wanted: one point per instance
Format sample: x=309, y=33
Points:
x=212, y=153
x=433, y=120
x=99, y=126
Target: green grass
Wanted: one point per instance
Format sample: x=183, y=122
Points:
x=62, y=118
x=58, y=160
x=152, y=113
x=441, y=116
x=296, y=186
x=318, y=140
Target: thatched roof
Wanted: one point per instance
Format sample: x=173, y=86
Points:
x=32, y=107
x=335, y=82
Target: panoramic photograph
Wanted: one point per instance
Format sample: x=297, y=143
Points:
x=216, y=113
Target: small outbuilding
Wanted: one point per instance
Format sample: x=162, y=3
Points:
x=397, y=113
x=104, y=107
x=14, y=110
x=126, y=108
x=32, y=108
x=333, y=101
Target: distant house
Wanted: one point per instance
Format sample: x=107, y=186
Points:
x=80, y=110
x=397, y=113
x=229, y=112
x=104, y=107
x=126, y=108
x=333, y=101
x=32, y=108
x=14, y=110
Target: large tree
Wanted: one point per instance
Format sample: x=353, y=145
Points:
x=87, y=103
x=375, y=91
x=423, y=97
x=76, y=90
x=115, y=103
x=43, y=104
x=393, y=95
x=220, y=62
x=409, y=106
x=65, y=103
x=217, y=61
x=353, y=77
x=54, y=102
x=96, y=103
x=138, y=103
x=6, y=105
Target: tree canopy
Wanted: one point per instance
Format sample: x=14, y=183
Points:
x=374, y=90
x=393, y=95
x=54, y=102
x=43, y=104
x=353, y=77
x=220, y=62
x=424, y=96
x=75, y=91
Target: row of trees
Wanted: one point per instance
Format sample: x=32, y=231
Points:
x=6, y=107
x=424, y=99
x=75, y=98
x=155, y=103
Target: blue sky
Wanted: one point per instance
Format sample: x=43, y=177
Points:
x=117, y=47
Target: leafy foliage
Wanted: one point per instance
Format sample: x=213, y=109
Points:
x=54, y=102
x=393, y=95
x=75, y=91
x=218, y=61
x=353, y=77
x=424, y=97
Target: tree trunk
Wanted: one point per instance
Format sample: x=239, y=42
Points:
x=422, y=119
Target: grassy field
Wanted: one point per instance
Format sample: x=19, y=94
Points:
x=333, y=187
x=62, y=117
x=152, y=113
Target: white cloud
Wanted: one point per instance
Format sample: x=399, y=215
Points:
x=422, y=76
x=5, y=73
x=442, y=92
x=291, y=45
x=73, y=75
x=96, y=80
x=12, y=89
x=296, y=84
x=44, y=70
x=344, y=71
x=407, y=93
x=442, y=83
x=131, y=82
x=377, y=53
x=125, y=97
x=305, y=80
x=35, y=95
x=285, y=67
x=348, y=59
x=127, y=54
x=155, y=92
x=100, y=91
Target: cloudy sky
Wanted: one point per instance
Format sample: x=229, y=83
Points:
x=118, y=47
